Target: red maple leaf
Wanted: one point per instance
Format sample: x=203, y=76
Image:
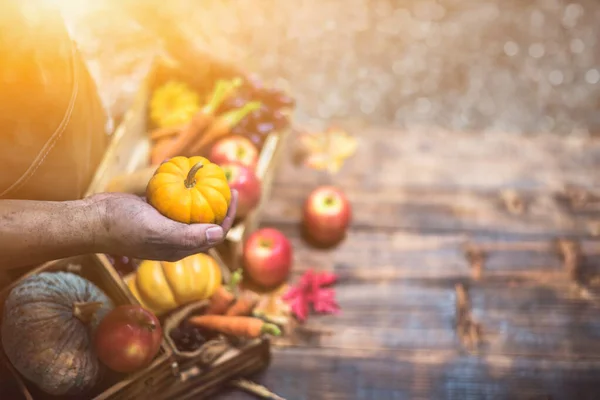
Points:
x=312, y=290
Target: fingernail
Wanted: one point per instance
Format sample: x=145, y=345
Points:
x=214, y=235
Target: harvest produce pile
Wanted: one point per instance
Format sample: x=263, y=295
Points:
x=66, y=336
x=240, y=108
x=208, y=143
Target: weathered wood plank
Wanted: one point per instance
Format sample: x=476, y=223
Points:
x=418, y=200
x=390, y=158
x=435, y=210
x=309, y=373
x=377, y=256
x=525, y=319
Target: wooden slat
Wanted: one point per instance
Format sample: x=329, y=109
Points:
x=379, y=256
x=455, y=182
x=303, y=374
x=525, y=319
x=436, y=210
x=390, y=159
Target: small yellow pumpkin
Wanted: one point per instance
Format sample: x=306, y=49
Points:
x=190, y=190
x=162, y=286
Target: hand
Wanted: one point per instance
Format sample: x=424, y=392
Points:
x=131, y=227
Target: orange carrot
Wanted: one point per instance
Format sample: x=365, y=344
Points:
x=248, y=327
x=222, y=126
x=165, y=133
x=175, y=146
x=220, y=301
x=224, y=297
x=200, y=121
x=159, y=147
x=243, y=305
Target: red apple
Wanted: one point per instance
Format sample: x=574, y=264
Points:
x=234, y=149
x=267, y=257
x=128, y=338
x=245, y=181
x=326, y=215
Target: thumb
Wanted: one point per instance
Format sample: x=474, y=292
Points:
x=197, y=236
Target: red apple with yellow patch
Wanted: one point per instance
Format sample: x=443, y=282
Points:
x=128, y=338
x=326, y=216
x=267, y=257
x=234, y=149
x=245, y=181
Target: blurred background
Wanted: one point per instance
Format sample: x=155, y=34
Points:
x=471, y=65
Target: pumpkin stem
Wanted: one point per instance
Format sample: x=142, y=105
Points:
x=86, y=312
x=190, y=181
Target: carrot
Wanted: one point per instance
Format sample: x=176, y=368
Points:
x=165, y=133
x=243, y=305
x=175, y=146
x=159, y=147
x=220, y=301
x=200, y=121
x=224, y=297
x=222, y=126
x=248, y=327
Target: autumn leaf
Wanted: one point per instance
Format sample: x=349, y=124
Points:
x=327, y=150
x=312, y=289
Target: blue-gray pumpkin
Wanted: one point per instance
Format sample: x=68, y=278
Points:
x=47, y=331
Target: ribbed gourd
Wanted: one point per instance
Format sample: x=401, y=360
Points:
x=47, y=331
x=162, y=286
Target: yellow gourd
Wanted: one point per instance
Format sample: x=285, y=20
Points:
x=190, y=190
x=162, y=286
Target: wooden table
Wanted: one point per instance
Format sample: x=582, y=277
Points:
x=454, y=283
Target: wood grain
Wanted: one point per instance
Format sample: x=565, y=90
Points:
x=380, y=256
x=390, y=159
x=307, y=373
x=442, y=210
x=548, y=321
x=441, y=182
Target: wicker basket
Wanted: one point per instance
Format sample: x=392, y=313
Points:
x=172, y=374
x=98, y=269
x=215, y=363
x=129, y=151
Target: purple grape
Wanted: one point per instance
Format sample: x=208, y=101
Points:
x=277, y=99
x=284, y=100
x=233, y=103
x=176, y=334
x=264, y=128
x=280, y=120
x=123, y=265
x=256, y=138
x=239, y=130
x=187, y=337
x=263, y=114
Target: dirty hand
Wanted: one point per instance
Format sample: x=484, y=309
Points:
x=131, y=227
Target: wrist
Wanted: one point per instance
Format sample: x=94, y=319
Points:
x=95, y=224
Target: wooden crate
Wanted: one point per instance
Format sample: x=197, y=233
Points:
x=98, y=270
x=130, y=146
x=207, y=369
